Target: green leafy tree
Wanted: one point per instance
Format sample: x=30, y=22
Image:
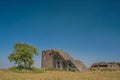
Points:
x=23, y=55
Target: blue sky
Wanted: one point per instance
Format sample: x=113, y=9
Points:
x=87, y=29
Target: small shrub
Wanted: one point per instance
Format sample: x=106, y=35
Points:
x=72, y=69
x=53, y=69
x=12, y=68
x=37, y=70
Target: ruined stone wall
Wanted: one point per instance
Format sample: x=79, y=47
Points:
x=54, y=58
x=106, y=66
x=61, y=63
x=58, y=61
x=47, y=60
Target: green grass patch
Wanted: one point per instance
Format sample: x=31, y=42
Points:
x=23, y=70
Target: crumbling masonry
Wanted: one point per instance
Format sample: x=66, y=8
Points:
x=106, y=66
x=55, y=58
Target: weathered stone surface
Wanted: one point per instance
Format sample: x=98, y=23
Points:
x=106, y=65
x=55, y=58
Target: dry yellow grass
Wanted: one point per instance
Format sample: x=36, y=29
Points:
x=60, y=75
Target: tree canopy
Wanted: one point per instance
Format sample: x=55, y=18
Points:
x=22, y=55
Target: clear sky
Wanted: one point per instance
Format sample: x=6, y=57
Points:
x=89, y=30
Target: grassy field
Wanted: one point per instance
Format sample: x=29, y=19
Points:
x=60, y=75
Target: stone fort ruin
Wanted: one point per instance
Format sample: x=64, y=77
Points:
x=55, y=58
x=106, y=66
